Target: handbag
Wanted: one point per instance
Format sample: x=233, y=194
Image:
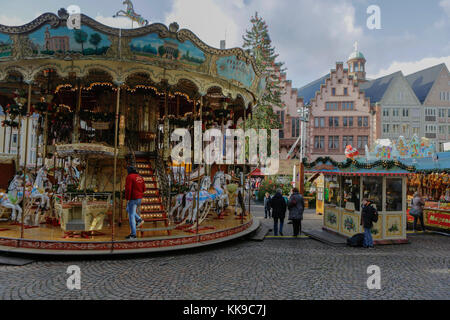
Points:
x=414, y=212
x=292, y=203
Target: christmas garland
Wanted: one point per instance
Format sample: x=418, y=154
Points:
x=15, y=110
x=386, y=164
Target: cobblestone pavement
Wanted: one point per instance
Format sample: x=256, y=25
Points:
x=242, y=269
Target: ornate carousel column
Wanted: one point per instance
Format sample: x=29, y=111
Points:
x=24, y=201
x=116, y=129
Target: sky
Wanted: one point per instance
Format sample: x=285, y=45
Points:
x=310, y=36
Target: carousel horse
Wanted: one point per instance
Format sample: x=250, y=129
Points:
x=14, y=197
x=6, y=202
x=40, y=185
x=130, y=13
x=218, y=194
x=180, y=203
x=204, y=202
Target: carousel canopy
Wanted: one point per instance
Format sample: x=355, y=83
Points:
x=166, y=55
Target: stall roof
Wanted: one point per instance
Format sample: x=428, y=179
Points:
x=391, y=167
x=328, y=166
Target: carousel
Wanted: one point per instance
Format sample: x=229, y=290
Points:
x=105, y=99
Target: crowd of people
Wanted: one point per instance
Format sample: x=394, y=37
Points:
x=276, y=207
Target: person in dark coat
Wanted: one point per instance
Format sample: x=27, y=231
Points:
x=417, y=204
x=267, y=206
x=368, y=215
x=278, y=205
x=296, y=207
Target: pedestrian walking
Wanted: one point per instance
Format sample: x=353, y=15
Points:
x=296, y=207
x=134, y=191
x=267, y=212
x=278, y=205
x=369, y=215
x=417, y=210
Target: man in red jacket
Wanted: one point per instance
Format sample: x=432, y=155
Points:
x=134, y=191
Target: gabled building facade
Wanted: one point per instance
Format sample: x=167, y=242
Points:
x=399, y=109
x=432, y=88
x=340, y=114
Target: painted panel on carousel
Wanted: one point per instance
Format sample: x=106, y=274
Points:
x=393, y=226
x=350, y=223
x=233, y=69
x=151, y=46
x=86, y=41
x=6, y=45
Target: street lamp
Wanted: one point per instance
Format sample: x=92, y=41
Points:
x=304, y=118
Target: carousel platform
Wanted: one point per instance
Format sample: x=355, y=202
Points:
x=51, y=240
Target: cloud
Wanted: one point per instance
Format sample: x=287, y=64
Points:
x=210, y=20
x=445, y=4
x=12, y=20
x=411, y=66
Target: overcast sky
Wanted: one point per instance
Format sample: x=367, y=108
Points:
x=309, y=35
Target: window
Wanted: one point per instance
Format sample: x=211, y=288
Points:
x=280, y=115
x=351, y=193
x=386, y=128
x=319, y=142
x=430, y=112
x=345, y=92
x=362, y=142
x=395, y=112
x=395, y=128
x=295, y=127
x=333, y=91
x=347, y=121
x=347, y=141
x=442, y=129
x=394, y=194
x=405, y=112
x=316, y=122
x=363, y=121
x=333, y=142
x=333, y=121
x=415, y=130
x=373, y=190
x=347, y=105
x=429, y=128
x=331, y=106
x=385, y=112
x=442, y=113
x=322, y=122
x=405, y=129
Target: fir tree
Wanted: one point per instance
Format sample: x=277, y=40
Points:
x=258, y=43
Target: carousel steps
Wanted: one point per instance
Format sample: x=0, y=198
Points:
x=152, y=208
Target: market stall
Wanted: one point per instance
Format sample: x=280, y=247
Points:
x=347, y=183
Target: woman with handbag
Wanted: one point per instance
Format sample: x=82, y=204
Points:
x=417, y=210
x=296, y=207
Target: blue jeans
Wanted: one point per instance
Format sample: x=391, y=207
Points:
x=275, y=225
x=133, y=215
x=368, y=242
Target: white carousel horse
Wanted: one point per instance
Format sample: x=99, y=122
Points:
x=180, y=203
x=220, y=197
x=204, y=201
x=6, y=202
x=38, y=192
x=13, y=198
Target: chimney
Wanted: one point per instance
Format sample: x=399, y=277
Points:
x=222, y=44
